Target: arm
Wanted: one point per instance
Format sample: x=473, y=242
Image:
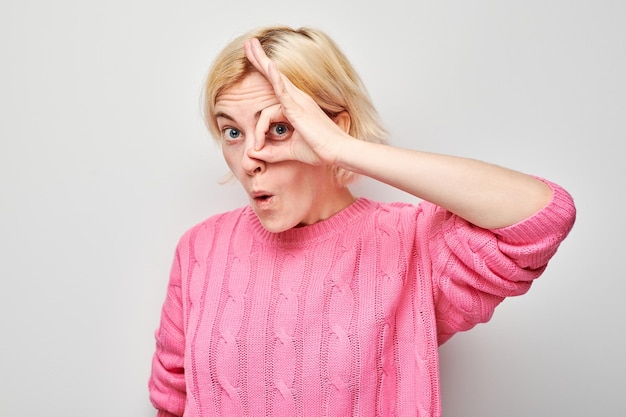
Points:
x=167, y=381
x=474, y=269
x=486, y=195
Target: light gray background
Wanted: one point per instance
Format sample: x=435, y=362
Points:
x=105, y=162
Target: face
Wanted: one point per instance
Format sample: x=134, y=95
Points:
x=284, y=194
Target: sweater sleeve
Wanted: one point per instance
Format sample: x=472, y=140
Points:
x=167, y=381
x=474, y=269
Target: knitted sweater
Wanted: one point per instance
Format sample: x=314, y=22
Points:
x=339, y=318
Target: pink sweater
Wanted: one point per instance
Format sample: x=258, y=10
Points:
x=340, y=318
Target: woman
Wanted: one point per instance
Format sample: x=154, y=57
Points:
x=311, y=301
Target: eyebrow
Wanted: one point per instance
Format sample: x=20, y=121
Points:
x=223, y=115
x=227, y=116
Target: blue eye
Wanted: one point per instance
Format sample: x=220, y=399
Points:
x=279, y=131
x=230, y=133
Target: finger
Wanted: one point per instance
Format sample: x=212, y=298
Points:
x=273, y=152
x=268, y=116
x=256, y=55
x=280, y=83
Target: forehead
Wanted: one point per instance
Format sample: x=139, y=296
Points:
x=250, y=95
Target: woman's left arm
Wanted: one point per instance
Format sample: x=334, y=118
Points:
x=484, y=194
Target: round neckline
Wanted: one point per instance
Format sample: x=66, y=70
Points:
x=305, y=235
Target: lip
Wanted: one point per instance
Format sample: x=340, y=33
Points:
x=261, y=198
x=261, y=194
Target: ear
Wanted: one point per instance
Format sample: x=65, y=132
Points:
x=343, y=121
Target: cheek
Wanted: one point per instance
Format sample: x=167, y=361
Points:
x=231, y=159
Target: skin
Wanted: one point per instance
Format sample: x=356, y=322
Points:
x=486, y=195
x=284, y=194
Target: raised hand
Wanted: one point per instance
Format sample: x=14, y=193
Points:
x=316, y=137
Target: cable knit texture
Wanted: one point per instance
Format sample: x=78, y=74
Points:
x=340, y=318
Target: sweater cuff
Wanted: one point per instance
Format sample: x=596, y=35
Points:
x=553, y=222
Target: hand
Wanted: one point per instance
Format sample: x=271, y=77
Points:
x=316, y=136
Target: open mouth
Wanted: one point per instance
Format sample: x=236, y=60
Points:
x=262, y=197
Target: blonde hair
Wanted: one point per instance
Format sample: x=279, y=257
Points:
x=314, y=64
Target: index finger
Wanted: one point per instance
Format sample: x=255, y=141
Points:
x=256, y=55
x=283, y=88
x=266, y=118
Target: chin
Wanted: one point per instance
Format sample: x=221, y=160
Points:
x=276, y=226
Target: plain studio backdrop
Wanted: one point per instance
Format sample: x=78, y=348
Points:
x=105, y=162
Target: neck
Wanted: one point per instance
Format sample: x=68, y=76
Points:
x=333, y=202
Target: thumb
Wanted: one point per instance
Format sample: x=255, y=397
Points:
x=271, y=152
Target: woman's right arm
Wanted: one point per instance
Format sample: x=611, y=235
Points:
x=167, y=382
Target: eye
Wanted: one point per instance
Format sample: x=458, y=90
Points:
x=279, y=131
x=230, y=134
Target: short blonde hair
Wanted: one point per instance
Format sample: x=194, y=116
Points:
x=315, y=64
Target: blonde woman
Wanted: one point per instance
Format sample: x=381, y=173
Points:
x=311, y=301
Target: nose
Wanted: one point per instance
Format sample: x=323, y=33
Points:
x=250, y=162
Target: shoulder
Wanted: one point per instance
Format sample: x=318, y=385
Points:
x=400, y=213
x=201, y=233
x=398, y=218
